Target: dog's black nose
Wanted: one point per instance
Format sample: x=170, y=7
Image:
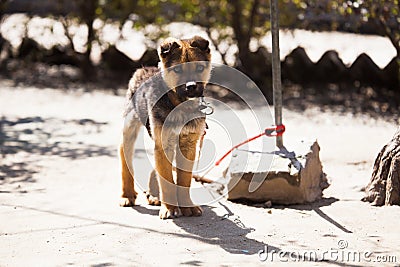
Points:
x=191, y=86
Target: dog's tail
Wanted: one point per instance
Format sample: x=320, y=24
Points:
x=139, y=77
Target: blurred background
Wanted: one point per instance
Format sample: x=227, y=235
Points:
x=341, y=54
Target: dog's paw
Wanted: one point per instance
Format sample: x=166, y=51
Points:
x=168, y=212
x=152, y=200
x=127, y=201
x=192, y=211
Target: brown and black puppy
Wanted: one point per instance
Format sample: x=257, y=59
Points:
x=166, y=102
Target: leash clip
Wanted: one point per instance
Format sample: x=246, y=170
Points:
x=205, y=107
x=277, y=130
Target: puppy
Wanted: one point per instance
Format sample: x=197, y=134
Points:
x=166, y=101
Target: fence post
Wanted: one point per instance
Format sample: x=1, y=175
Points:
x=276, y=69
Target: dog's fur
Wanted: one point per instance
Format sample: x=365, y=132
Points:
x=164, y=100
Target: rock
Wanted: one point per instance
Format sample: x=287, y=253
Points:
x=149, y=58
x=30, y=50
x=391, y=74
x=295, y=180
x=62, y=55
x=117, y=61
x=365, y=71
x=384, y=186
x=259, y=69
x=330, y=68
x=268, y=204
x=298, y=67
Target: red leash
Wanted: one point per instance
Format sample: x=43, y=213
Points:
x=278, y=130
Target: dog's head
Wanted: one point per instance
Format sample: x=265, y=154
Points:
x=186, y=65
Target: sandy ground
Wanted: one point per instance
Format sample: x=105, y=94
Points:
x=59, y=190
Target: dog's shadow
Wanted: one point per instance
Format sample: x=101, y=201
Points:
x=223, y=231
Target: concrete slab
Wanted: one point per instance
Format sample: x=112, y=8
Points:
x=294, y=177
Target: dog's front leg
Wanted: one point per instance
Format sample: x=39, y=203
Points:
x=164, y=153
x=185, y=157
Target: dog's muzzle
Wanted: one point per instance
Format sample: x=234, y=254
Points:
x=190, y=86
x=193, y=89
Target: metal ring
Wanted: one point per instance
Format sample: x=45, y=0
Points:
x=211, y=110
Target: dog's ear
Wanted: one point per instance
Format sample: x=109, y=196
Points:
x=168, y=46
x=200, y=43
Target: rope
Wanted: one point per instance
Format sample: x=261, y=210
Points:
x=278, y=130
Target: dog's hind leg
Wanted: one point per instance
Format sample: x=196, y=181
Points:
x=126, y=150
x=153, y=193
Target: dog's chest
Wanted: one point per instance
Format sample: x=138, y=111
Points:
x=181, y=123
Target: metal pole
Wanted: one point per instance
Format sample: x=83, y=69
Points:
x=276, y=69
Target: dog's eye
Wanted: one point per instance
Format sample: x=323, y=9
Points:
x=178, y=69
x=199, y=68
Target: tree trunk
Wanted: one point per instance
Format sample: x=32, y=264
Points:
x=88, y=14
x=243, y=35
x=394, y=37
x=384, y=186
x=255, y=64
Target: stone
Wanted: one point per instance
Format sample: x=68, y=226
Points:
x=292, y=178
x=268, y=204
x=384, y=185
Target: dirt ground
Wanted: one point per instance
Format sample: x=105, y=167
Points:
x=59, y=192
